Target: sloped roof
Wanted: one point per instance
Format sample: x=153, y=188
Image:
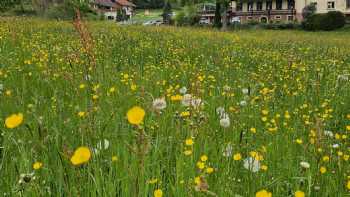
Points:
x=125, y=3
x=114, y=3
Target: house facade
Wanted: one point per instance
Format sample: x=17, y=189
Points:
x=111, y=8
x=278, y=10
x=282, y=10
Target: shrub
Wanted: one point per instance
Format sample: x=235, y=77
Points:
x=188, y=16
x=327, y=22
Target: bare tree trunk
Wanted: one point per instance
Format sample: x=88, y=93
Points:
x=224, y=19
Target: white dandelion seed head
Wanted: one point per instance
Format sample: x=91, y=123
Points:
x=243, y=103
x=220, y=111
x=251, y=164
x=305, y=164
x=183, y=90
x=225, y=122
x=245, y=91
x=159, y=104
x=226, y=88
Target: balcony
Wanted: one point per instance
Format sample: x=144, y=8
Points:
x=264, y=12
x=252, y=12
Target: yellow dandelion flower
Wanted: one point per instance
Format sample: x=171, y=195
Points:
x=158, y=193
x=14, y=120
x=81, y=114
x=133, y=87
x=81, y=155
x=185, y=114
x=189, y=142
x=264, y=167
x=263, y=193
x=253, y=130
x=112, y=89
x=299, y=194
x=82, y=86
x=323, y=169
x=265, y=112
x=136, y=115
x=176, y=98
x=237, y=156
x=114, y=158
x=197, y=180
x=348, y=185
x=200, y=165
x=299, y=141
x=204, y=158
x=325, y=158
x=152, y=181
x=188, y=152
x=209, y=170
x=37, y=165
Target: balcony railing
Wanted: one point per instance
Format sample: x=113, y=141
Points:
x=254, y=12
x=265, y=12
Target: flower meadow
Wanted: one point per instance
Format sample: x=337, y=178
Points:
x=96, y=109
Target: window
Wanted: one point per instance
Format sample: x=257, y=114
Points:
x=110, y=17
x=259, y=5
x=250, y=6
x=290, y=18
x=330, y=4
x=291, y=4
x=239, y=6
x=250, y=18
x=268, y=5
x=279, y=5
x=278, y=18
x=347, y=3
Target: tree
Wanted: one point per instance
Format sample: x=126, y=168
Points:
x=225, y=6
x=308, y=10
x=217, y=17
x=167, y=13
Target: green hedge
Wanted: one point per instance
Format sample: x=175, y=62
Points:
x=327, y=22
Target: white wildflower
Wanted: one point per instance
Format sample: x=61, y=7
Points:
x=335, y=146
x=328, y=133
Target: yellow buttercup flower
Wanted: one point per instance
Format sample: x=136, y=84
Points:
x=136, y=115
x=37, y=165
x=323, y=170
x=14, y=120
x=263, y=193
x=348, y=185
x=81, y=155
